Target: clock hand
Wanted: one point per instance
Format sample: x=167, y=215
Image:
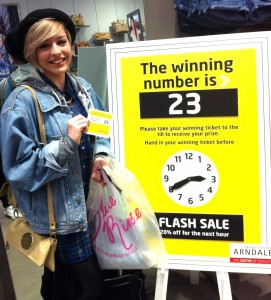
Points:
x=183, y=182
x=197, y=178
x=179, y=184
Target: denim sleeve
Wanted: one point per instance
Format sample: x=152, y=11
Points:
x=67, y=148
x=27, y=163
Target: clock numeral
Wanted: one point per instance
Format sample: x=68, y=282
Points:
x=170, y=189
x=178, y=158
x=201, y=198
x=213, y=178
x=190, y=201
x=189, y=155
x=171, y=167
x=210, y=190
x=166, y=178
x=209, y=167
x=180, y=196
x=199, y=157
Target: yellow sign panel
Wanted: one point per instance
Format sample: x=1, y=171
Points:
x=223, y=139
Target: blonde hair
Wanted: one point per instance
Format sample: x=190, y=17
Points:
x=37, y=34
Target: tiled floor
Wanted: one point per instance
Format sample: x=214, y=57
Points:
x=26, y=280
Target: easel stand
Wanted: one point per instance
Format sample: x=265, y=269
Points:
x=223, y=282
x=161, y=284
x=224, y=285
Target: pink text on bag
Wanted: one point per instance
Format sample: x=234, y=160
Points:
x=111, y=226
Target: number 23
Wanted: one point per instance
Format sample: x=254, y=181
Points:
x=195, y=103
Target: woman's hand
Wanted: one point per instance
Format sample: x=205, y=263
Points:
x=96, y=173
x=76, y=126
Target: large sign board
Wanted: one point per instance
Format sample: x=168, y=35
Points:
x=192, y=121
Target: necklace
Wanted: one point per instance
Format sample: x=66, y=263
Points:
x=67, y=97
x=68, y=101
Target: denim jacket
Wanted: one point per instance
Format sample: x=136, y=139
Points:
x=29, y=165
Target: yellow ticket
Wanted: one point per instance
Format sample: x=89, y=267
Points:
x=100, y=122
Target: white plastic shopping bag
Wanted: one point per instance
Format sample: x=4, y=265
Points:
x=124, y=230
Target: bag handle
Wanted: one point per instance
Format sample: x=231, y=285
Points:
x=43, y=139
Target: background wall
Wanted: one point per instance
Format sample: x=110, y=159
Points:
x=161, y=19
x=159, y=15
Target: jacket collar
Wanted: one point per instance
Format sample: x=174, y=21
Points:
x=47, y=103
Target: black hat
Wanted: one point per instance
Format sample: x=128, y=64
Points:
x=44, y=13
x=11, y=45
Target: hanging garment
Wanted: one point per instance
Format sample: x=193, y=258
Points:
x=4, y=60
x=220, y=16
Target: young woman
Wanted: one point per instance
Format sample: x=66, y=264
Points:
x=70, y=157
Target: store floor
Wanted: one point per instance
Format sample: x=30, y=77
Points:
x=26, y=280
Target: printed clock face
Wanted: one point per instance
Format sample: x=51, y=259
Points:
x=190, y=178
